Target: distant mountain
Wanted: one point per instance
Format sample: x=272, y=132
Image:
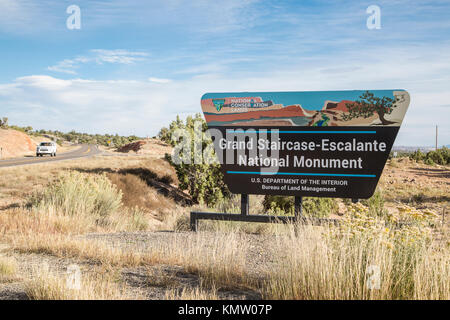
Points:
x=412, y=148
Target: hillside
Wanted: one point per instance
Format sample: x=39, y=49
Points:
x=15, y=144
x=153, y=147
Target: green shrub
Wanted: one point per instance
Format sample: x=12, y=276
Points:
x=375, y=204
x=312, y=207
x=203, y=181
x=77, y=193
x=279, y=205
x=319, y=207
x=77, y=137
x=439, y=156
x=417, y=156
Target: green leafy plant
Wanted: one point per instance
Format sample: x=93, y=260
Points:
x=375, y=204
x=203, y=181
x=439, y=156
x=311, y=207
x=77, y=193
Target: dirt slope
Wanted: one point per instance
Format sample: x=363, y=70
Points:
x=153, y=147
x=15, y=144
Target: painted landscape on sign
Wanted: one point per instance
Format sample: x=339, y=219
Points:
x=314, y=108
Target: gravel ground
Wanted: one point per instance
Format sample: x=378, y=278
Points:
x=260, y=253
x=151, y=282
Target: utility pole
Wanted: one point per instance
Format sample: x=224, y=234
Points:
x=436, y=137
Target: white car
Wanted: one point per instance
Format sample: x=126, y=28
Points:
x=46, y=148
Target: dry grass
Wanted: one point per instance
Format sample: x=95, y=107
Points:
x=87, y=250
x=162, y=169
x=28, y=179
x=309, y=262
x=417, y=184
x=136, y=193
x=77, y=203
x=191, y=294
x=156, y=277
x=80, y=195
x=220, y=260
x=20, y=221
x=8, y=269
x=51, y=286
x=316, y=267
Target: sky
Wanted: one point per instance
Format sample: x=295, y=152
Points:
x=132, y=66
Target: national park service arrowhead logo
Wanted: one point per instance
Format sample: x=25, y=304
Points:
x=218, y=103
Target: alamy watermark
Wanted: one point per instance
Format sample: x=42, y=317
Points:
x=374, y=20
x=74, y=20
x=374, y=279
x=73, y=280
x=234, y=146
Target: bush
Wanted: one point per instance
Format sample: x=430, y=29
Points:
x=136, y=193
x=319, y=207
x=77, y=193
x=77, y=137
x=312, y=207
x=4, y=123
x=417, y=156
x=203, y=181
x=440, y=156
x=375, y=204
x=279, y=205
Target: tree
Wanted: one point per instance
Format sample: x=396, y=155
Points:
x=164, y=135
x=204, y=181
x=370, y=105
x=4, y=122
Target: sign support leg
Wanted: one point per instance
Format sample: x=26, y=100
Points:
x=298, y=207
x=244, y=204
x=194, y=222
x=245, y=216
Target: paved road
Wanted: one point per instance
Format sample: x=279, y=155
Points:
x=83, y=151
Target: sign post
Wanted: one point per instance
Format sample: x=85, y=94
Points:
x=318, y=144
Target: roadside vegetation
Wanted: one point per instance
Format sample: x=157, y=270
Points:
x=107, y=140
x=203, y=181
x=439, y=156
x=125, y=222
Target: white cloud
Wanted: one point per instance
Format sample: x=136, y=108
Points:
x=68, y=65
x=118, y=56
x=30, y=16
x=99, y=56
x=159, y=80
x=143, y=107
x=21, y=16
x=43, y=82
